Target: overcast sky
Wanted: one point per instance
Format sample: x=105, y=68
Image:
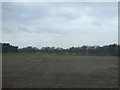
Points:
x=59, y=24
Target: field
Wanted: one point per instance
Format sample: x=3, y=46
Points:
x=59, y=71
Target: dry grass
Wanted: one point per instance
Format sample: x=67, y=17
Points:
x=57, y=71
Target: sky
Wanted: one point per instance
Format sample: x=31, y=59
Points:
x=58, y=24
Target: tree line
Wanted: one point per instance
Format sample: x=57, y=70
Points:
x=110, y=50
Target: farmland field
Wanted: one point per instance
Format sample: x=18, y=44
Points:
x=59, y=71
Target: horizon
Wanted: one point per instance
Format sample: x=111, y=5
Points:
x=59, y=47
x=59, y=24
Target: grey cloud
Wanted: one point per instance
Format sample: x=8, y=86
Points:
x=62, y=24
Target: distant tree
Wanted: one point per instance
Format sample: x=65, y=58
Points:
x=0, y=47
x=111, y=50
x=6, y=47
x=29, y=49
x=119, y=50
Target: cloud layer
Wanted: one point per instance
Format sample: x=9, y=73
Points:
x=59, y=24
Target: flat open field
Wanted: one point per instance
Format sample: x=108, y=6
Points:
x=59, y=71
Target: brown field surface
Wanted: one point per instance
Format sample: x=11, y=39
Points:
x=59, y=71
